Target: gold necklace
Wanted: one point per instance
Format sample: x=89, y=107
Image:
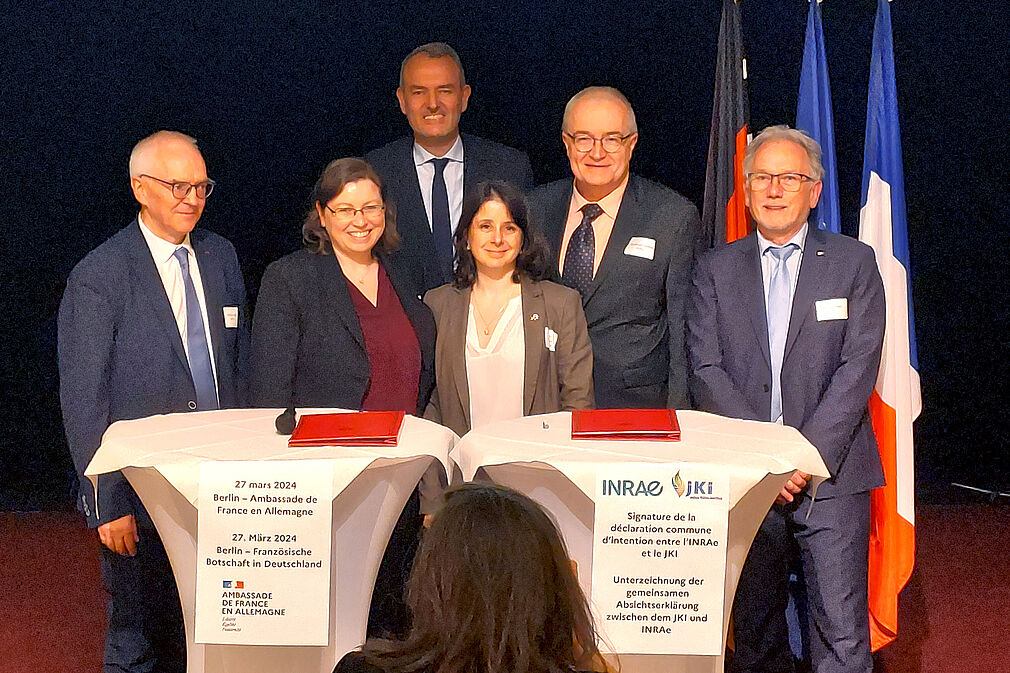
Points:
x=497, y=316
x=364, y=276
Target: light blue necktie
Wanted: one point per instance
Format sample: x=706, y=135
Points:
x=196, y=341
x=777, y=311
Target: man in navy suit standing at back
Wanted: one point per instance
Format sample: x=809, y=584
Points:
x=426, y=175
x=786, y=325
x=153, y=321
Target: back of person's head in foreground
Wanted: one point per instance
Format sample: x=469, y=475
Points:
x=491, y=591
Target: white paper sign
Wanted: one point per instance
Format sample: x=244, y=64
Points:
x=659, y=557
x=263, y=552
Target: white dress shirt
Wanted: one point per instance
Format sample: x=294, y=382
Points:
x=495, y=373
x=170, y=272
x=453, y=175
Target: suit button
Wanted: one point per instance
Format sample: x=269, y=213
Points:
x=192, y=404
x=766, y=387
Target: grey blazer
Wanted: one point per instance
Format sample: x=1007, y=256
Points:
x=555, y=380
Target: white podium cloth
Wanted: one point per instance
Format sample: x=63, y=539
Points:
x=537, y=456
x=161, y=457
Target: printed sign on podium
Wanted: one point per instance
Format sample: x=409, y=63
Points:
x=659, y=557
x=263, y=552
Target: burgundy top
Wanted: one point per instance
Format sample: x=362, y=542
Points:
x=394, y=355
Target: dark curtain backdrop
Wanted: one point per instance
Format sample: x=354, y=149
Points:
x=273, y=90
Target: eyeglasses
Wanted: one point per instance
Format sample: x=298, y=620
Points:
x=181, y=190
x=612, y=142
x=372, y=211
x=790, y=182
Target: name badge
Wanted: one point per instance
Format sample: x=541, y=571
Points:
x=640, y=246
x=230, y=316
x=832, y=309
x=550, y=339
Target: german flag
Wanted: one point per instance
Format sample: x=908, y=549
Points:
x=724, y=215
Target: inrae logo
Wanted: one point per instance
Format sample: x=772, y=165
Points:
x=629, y=487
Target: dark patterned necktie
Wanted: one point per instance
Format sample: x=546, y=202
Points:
x=578, y=271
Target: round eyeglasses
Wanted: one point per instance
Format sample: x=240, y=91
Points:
x=372, y=211
x=181, y=190
x=790, y=182
x=612, y=142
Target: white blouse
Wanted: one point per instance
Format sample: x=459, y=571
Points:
x=495, y=373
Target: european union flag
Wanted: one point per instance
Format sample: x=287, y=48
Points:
x=813, y=115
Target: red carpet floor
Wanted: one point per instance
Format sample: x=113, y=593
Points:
x=955, y=613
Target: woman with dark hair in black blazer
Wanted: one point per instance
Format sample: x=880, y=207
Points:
x=335, y=327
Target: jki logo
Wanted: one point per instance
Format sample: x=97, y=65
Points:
x=690, y=487
x=630, y=487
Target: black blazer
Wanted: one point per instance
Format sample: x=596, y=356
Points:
x=121, y=356
x=307, y=345
x=482, y=160
x=635, y=306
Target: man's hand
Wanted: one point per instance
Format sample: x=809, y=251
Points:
x=120, y=535
x=793, y=487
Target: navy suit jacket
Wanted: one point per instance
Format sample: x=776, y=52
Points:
x=829, y=367
x=308, y=348
x=635, y=306
x=121, y=356
x=482, y=160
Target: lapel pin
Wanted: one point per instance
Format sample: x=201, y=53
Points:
x=535, y=316
x=820, y=253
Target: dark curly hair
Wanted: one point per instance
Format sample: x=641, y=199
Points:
x=338, y=174
x=534, y=256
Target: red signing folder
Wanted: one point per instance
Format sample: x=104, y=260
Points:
x=626, y=424
x=361, y=428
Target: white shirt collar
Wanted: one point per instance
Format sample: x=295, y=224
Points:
x=799, y=238
x=161, y=250
x=455, y=153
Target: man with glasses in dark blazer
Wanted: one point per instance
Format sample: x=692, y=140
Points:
x=626, y=244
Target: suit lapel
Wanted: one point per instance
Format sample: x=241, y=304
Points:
x=812, y=270
x=413, y=201
x=149, y=282
x=213, y=294
x=751, y=284
x=473, y=164
x=624, y=229
x=534, y=311
x=337, y=296
x=556, y=218
x=459, y=311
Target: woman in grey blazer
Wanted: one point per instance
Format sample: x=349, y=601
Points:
x=498, y=313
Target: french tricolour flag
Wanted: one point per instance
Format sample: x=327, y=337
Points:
x=896, y=399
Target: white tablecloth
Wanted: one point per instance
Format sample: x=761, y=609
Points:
x=161, y=457
x=536, y=455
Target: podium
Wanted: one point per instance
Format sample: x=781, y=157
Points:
x=161, y=457
x=536, y=456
